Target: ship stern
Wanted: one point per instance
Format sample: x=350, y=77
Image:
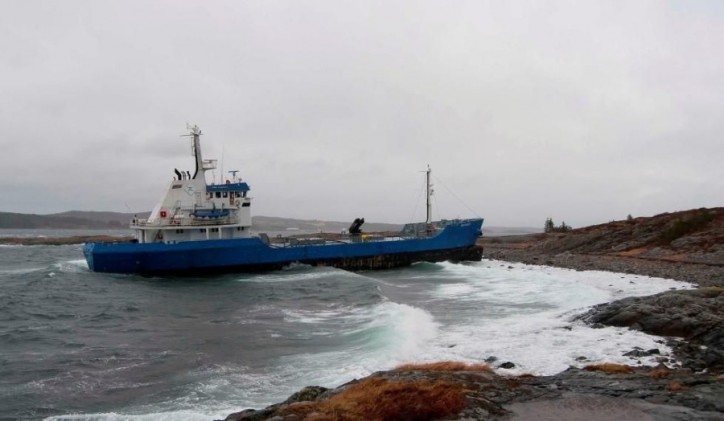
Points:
x=88, y=253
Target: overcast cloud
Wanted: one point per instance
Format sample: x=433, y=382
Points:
x=578, y=110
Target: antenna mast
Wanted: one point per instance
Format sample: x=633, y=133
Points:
x=429, y=193
x=195, y=133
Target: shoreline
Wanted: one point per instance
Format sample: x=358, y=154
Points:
x=520, y=249
x=692, y=390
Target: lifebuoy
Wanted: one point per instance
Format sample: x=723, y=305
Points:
x=163, y=214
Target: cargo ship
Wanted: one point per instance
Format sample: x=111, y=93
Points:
x=199, y=228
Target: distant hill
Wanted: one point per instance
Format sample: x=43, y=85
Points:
x=272, y=223
x=65, y=220
x=103, y=217
x=695, y=235
x=119, y=220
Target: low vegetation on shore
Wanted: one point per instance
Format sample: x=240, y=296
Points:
x=411, y=394
x=687, y=246
x=693, y=236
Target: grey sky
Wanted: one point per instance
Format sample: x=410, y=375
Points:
x=578, y=110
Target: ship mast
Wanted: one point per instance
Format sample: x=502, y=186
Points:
x=195, y=132
x=429, y=193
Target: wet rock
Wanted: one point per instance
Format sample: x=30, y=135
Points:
x=271, y=413
x=638, y=353
x=309, y=393
x=695, y=315
x=246, y=414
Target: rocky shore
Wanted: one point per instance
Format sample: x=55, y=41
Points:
x=693, y=315
x=689, y=386
x=513, y=249
x=455, y=391
x=686, y=246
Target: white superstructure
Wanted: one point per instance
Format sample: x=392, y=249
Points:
x=191, y=210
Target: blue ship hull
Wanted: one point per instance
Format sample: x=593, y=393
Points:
x=456, y=242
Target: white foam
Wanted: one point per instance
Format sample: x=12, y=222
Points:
x=532, y=326
x=310, y=316
x=21, y=271
x=188, y=415
x=72, y=266
x=218, y=393
x=296, y=273
x=410, y=328
x=519, y=314
x=393, y=333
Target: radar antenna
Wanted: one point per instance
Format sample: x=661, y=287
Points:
x=193, y=130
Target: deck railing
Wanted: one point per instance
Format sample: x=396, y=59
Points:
x=180, y=222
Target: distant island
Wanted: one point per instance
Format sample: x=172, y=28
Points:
x=120, y=220
x=67, y=220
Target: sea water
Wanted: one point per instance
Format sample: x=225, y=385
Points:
x=77, y=345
